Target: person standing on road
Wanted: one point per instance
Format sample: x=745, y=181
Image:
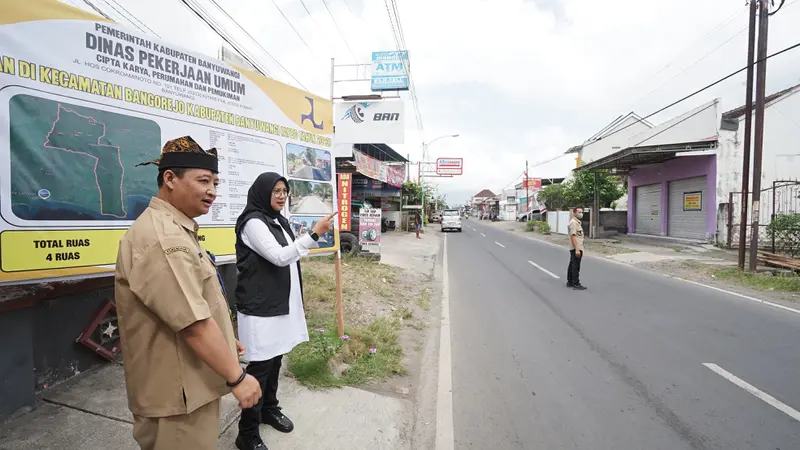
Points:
x=575, y=230
x=178, y=345
x=269, y=297
x=418, y=224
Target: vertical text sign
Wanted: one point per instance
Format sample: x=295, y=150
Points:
x=345, y=186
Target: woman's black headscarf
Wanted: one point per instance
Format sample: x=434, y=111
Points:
x=259, y=202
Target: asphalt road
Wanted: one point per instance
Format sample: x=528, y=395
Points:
x=624, y=365
x=312, y=205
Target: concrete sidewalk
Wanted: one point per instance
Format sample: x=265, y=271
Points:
x=90, y=411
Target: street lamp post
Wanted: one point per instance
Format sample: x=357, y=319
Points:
x=422, y=172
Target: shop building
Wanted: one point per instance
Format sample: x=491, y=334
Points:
x=378, y=175
x=684, y=176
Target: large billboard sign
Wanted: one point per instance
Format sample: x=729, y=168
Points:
x=390, y=71
x=369, y=122
x=450, y=166
x=87, y=100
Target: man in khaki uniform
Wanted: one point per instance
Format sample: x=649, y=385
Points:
x=178, y=344
x=575, y=230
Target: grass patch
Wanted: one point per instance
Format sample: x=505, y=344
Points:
x=378, y=306
x=362, y=355
x=424, y=299
x=418, y=325
x=761, y=281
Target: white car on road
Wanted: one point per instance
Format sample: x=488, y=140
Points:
x=451, y=220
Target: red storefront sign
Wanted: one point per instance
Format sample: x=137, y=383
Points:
x=345, y=191
x=534, y=183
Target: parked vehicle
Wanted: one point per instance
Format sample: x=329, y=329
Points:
x=436, y=217
x=530, y=215
x=451, y=220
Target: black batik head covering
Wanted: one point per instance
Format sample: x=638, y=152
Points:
x=259, y=202
x=185, y=153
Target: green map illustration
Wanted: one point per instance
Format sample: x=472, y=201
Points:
x=70, y=162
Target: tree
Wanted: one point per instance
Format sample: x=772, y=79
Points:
x=580, y=190
x=311, y=155
x=413, y=193
x=323, y=191
x=299, y=188
x=554, y=196
x=441, y=202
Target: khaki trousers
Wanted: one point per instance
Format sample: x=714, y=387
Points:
x=198, y=430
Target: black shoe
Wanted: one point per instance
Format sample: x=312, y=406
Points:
x=250, y=443
x=276, y=419
x=579, y=287
x=569, y=285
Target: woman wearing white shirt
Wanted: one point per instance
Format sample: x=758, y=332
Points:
x=269, y=297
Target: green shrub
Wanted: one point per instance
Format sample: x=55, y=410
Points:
x=784, y=230
x=540, y=226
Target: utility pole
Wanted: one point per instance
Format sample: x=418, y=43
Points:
x=761, y=85
x=422, y=182
x=748, y=127
x=527, y=192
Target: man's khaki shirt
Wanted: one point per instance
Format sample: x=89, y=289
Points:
x=575, y=229
x=165, y=282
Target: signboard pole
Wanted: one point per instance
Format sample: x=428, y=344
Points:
x=527, y=191
x=337, y=257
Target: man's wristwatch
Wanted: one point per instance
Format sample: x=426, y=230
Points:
x=314, y=236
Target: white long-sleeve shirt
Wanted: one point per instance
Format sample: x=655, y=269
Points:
x=267, y=337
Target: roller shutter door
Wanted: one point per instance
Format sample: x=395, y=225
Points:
x=687, y=209
x=648, y=209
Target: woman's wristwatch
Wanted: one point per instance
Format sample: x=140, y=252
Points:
x=314, y=236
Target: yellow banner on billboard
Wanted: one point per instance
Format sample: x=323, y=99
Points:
x=88, y=100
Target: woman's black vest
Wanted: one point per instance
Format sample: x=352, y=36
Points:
x=262, y=288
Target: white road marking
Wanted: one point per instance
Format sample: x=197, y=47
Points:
x=483, y=235
x=501, y=245
x=543, y=270
x=445, y=437
x=770, y=400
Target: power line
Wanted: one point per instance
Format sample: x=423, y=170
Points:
x=411, y=79
x=293, y=28
x=692, y=65
x=706, y=36
x=709, y=86
x=671, y=126
x=97, y=10
x=224, y=37
x=132, y=16
x=214, y=2
x=400, y=41
x=308, y=12
x=346, y=3
x=340, y=31
x=560, y=155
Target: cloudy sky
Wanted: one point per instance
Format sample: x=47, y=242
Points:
x=517, y=79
